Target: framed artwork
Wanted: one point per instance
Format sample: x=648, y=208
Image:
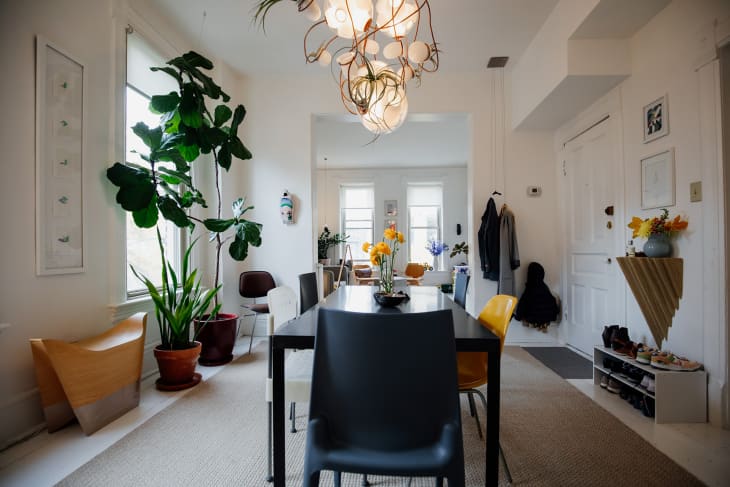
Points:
x=390, y=223
x=656, y=119
x=60, y=81
x=657, y=180
x=391, y=207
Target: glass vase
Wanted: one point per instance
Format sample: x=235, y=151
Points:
x=658, y=245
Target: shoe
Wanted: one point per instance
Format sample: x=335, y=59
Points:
x=607, y=334
x=604, y=381
x=635, y=349
x=643, y=355
x=613, y=386
x=620, y=341
x=647, y=407
x=650, y=386
x=635, y=375
x=669, y=361
x=645, y=381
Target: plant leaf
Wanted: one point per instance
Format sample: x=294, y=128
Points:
x=172, y=212
x=238, y=115
x=218, y=226
x=180, y=176
x=238, y=249
x=136, y=187
x=238, y=149
x=147, y=217
x=191, y=111
x=224, y=157
x=164, y=103
x=171, y=71
x=222, y=115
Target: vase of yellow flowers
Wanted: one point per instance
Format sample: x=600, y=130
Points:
x=657, y=232
x=382, y=255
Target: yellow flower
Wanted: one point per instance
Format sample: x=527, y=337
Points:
x=365, y=246
x=635, y=224
x=389, y=234
x=400, y=237
x=383, y=248
x=375, y=259
x=644, y=229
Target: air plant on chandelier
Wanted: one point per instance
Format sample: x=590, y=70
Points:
x=372, y=82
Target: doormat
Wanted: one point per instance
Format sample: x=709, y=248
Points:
x=563, y=361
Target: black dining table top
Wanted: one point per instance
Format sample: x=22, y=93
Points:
x=468, y=332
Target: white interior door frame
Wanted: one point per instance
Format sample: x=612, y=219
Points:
x=609, y=106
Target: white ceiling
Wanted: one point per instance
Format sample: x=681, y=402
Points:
x=468, y=33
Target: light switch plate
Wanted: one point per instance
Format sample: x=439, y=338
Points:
x=534, y=191
x=695, y=191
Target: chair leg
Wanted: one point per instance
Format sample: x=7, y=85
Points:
x=476, y=413
x=269, y=476
x=338, y=479
x=312, y=479
x=501, y=453
x=293, y=417
x=365, y=482
x=439, y=482
x=472, y=406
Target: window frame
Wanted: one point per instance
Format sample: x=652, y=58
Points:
x=438, y=261
x=358, y=257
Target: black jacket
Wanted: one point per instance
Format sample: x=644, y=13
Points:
x=488, y=237
x=537, y=304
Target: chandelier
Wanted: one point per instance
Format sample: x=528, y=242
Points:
x=372, y=80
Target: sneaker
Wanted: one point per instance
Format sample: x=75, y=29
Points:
x=607, y=334
x=635, y=375
x=643, y=355
x=647, y=407
x=650, y=386
x=614, y=386
x=604, y=381
x=645, y=381
x=669, y=361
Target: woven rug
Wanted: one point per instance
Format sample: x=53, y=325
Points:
x=563, y=361
x=552, y=435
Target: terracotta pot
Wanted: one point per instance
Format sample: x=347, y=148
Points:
x=177, y=367
x=217, y=337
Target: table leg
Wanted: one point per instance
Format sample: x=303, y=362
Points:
x=492, y=436
x=277, y=355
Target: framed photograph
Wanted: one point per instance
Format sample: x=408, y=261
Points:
x=60, y=80
x=656, y=119
x=391, y=207
x=390, y=223
x=657, y=180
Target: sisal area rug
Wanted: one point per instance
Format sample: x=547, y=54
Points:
x=552, y=435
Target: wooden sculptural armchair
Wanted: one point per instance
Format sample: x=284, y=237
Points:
x=95, y=380
x=414, y=273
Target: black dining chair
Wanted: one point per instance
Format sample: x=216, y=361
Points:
x=308, y=293
x=255, y=285
x=462, y=283
x=365, y=419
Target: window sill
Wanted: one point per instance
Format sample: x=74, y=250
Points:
x=128, y=308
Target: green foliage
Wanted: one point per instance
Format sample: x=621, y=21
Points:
x=459, y=248
x=327, y=240
x=187, y=129
x=179, y=301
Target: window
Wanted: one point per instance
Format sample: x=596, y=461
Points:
x=142, y=248
x=356, y=208
x=424, y=221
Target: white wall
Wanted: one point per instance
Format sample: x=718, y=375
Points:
x=391, y=184
x=664, y=54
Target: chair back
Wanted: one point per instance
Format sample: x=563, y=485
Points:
x=413, y=269
x=308, y=293
x=374, y=384
x=255, y=284
x=496, y=317
x=462, y=283
x=328, y=282
x=282, y=306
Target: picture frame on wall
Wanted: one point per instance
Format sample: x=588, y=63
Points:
x=656, y=119
x=390, y=224
x=658, y=180
x=391, y=208
x=60, y=130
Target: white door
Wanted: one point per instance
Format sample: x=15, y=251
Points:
x=591, y=237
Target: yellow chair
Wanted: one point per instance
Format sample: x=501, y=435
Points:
x=414, y=274
x=95, y=380
x=472, y=366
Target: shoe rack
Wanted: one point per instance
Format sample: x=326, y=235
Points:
x=657, y=286
x=679, y=396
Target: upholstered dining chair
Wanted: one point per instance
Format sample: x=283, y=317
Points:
x=363, y=418
x=414, y=273
x=254, y=285
x=472, y=366
x=282, y=302
x=460, y=287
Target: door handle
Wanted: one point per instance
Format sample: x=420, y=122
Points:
x=608, y=261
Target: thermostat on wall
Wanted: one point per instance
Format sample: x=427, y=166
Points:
x=534, y=191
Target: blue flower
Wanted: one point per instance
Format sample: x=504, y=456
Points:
x=436, y=247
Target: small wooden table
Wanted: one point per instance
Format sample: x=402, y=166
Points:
x=470, y=336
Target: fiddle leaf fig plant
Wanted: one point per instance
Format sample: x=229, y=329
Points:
x=189, y=127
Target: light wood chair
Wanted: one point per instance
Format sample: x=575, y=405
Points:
x=362, y=275
x=95, y=380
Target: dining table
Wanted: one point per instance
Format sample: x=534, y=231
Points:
x=470, y=336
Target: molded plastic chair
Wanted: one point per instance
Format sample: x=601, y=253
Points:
x=365, y=419
x=254, y=285
x=308, y=292
x=462, y=283
x=298, y=365
x=96, y=380
x=414, y=273
x=496, y=316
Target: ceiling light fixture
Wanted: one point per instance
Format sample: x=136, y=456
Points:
x=372, y=81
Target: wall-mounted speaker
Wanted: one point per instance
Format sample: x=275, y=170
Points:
x=458, y=228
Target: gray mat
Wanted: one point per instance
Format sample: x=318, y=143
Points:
x=563, y=361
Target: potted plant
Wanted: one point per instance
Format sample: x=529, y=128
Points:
x=165, y=186
x=460, y=248
x=325, y=241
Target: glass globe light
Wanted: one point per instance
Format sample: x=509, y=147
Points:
x=396, y=17
x=360, y=16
